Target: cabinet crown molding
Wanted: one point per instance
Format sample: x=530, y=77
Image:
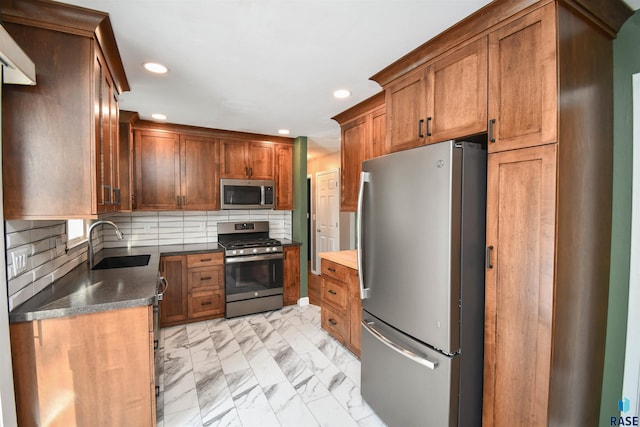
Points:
x=608, y=15
x=70, y=19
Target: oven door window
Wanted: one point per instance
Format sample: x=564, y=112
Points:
x=242, y=195
x=253, y=276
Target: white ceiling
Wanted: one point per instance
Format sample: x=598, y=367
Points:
x=263, y=65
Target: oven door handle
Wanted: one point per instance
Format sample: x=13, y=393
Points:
x=265, y=257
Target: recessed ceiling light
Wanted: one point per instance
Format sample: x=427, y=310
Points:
x=159, y=116
x=154, y=67
x=284, y=131
x=341, y=93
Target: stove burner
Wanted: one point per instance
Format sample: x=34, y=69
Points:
x=250, y=243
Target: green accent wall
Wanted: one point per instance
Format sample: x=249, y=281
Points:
x=299, y=214
x=626, y=62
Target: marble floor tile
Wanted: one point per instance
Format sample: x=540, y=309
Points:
x=270, y=369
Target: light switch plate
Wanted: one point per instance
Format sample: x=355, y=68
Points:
x=19, y=259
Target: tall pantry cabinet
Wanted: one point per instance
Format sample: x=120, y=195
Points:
x=549, y=136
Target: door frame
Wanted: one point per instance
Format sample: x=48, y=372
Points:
x=631, y=382
x=311, y=220
x=316, y=259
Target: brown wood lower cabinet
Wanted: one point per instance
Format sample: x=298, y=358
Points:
x=291, y=275
x=195, y=288
x=340, y=307
x=93, y=369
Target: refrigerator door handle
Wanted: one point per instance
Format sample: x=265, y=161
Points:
x=421, y=360
x=364, y=178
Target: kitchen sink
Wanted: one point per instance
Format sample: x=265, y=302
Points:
x=122, y=262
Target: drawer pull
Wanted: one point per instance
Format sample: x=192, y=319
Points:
x=332, y=292
x=333, y=270
x=205, y=278
x=206, y=303
x=205, y=260
x=333, y=322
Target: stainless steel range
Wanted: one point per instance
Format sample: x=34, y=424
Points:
x=253, y=268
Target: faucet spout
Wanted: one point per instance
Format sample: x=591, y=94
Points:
x=119, y=235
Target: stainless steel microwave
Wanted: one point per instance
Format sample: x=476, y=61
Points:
x=247, y=194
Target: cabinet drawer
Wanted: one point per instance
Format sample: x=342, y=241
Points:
x=205, y=260
x=335, y=293
x=206, y=303
x=335, y=323
x=333, y=269
x=211, y=277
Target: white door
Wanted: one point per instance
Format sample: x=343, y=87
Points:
x=327, y=213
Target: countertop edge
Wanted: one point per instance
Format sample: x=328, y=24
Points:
x=348, y=258
x=81, y=273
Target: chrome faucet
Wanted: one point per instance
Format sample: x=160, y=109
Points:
x=94, y=225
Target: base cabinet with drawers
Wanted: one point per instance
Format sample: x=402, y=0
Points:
x=340, y=304
x=195, y=288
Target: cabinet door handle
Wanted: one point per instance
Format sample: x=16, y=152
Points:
x=117, y=196
x=246, y=171
x=420, y=134
x=184, y=200
x=332, y=292
x=428, y=127
x=202, y=279
x=489, y=250
x=333, y=322
x=492, y=137
x=206, y=303
x=178, y=200
x=107, y=199
x=331, y=269
x=250, y=171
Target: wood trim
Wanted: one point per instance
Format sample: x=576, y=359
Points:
x=363, y=107
x=608, y=15
x=129, y=117
x=73, y=20
x=495, y=13
x=209, y=132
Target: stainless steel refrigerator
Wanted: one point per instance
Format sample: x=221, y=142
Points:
x=421, y=237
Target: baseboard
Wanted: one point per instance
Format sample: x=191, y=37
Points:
x=303, y=301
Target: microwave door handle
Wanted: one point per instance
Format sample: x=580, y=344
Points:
x=262, y=196
x=365, y=177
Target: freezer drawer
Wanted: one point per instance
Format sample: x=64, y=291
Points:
x=420, y=391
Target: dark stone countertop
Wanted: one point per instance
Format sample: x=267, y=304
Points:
x=84, y=291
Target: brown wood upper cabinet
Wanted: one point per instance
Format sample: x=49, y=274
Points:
x=175, y=171
x=363, y=129
x=445, y=100
x=457, y=94
x=247, y=159
x=107, y=136
x=523, y=83
x=60, y=137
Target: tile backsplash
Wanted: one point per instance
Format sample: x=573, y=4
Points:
x=48, y=262
x=177, y=227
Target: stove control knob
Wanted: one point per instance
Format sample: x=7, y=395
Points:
x=255, y=251
x=241, y=251
x=233, y=252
